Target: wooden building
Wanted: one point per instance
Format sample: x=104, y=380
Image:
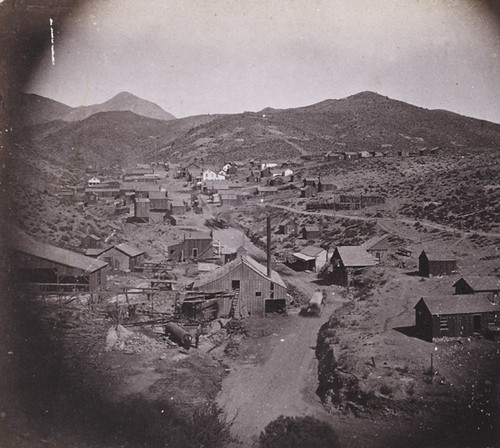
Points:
x=379, y=249
x=256, y=292
x=472, y=285
x=55, y=269
x=432, y=264
x=311, y=232
x=310, y=258
x=176, y=207
x=194, y=246
x=288, y=227
x=123, y=257
x=158, y=201
x=142, y=207
x=91, y=241
x=455, y=315
x=348, y=260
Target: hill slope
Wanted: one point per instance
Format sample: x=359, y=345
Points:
x=38, y=109
x=366, y=121
x=124, y=101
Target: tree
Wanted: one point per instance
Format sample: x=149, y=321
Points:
x=298, y=432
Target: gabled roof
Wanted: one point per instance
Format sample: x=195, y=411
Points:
x=129, y=250
x=95, y=252
x=435, y=256
x=459, y=304
x=311, y=228
x=484, y=283
x=380, y=244
x=157, y=195
x=355, y=256
x=57, y=255
x=92, y=236
x=311, y=251
x=232, y=265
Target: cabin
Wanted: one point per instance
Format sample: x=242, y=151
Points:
x=230, y=199
x=432, y=264
x=267, y=191
x=253, y=177
x=123, y=257
x=310, y=258
x=193, y=246
x=331, y=156
x=176, y=207
x=364, y=154
x=473, y=285
x=158, y=201
x=311, y=232
x=276, y=181
x=328, y=186
x=288, y=227
x=257, y=290
x=352, y=257
x=455, y=316
x=208, y=175
x=91, y=242
x=55, y=269
x=142, y=207
x=312, y=182
x=308, y=191
x=380, y=249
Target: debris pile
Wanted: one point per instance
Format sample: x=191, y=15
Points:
x=119, y=338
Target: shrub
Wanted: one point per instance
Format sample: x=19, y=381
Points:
x=298, y=432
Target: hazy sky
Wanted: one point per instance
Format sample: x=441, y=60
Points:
x=226, y=56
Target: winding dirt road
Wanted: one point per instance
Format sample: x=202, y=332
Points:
x=254, y=395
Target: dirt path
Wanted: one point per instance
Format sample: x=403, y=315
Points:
x=386, y=221
x=255, y=395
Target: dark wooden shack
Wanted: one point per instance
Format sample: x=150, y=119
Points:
x=123, y=257
x=311, y=232
x=256, y=293
x=472, y=285
x=455, y=315
x=431, y=264
x=55, y=269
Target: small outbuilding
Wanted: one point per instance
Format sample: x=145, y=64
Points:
x=123, y=257
x=455, y=315
x=311, y=232
x=472, y=285
x=432, y=264
x=380, y=248
x=311, y=258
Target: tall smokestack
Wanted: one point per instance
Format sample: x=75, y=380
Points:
x=269, y=246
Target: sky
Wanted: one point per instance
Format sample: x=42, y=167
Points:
x=227, y=56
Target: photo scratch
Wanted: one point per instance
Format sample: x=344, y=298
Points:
x=52, y=49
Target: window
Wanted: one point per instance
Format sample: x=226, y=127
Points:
x=443, y=323
x=194, y=252
x=271, y=295
x=258, y=294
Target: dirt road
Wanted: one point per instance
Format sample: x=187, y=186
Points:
x=254, y=395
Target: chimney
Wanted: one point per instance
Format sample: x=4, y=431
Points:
x=269, y=246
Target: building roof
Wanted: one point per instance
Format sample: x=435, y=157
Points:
x=157, y=195
x=311, y=228
x=198, y=236
x=131, y=251
x=95, y=252
x=355, y=256
x=437, y=256
x=142, y=200
x=484, y=283
x=381, y=244
x=311, y=251
x=92, y=236
x=229, y=267
x=459, y=304
x=57, y=255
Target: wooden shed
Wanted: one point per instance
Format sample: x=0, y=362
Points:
x=91, y=241
x=256, y=293
x=194, y=246
x=311, y=232
x=158, y=201
x=455, y=315
x=432, y=264
x=380, y=248
x=288, y=227
x=472, y=285
x=55, y=269
x=142, y=207
x=123, y=257
x=311, y=258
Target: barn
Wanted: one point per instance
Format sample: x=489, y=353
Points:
x=56, y=269
x=431, y=264
x=123, y=257
x=455, y=315
x=257, y=292
x=472, y=285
